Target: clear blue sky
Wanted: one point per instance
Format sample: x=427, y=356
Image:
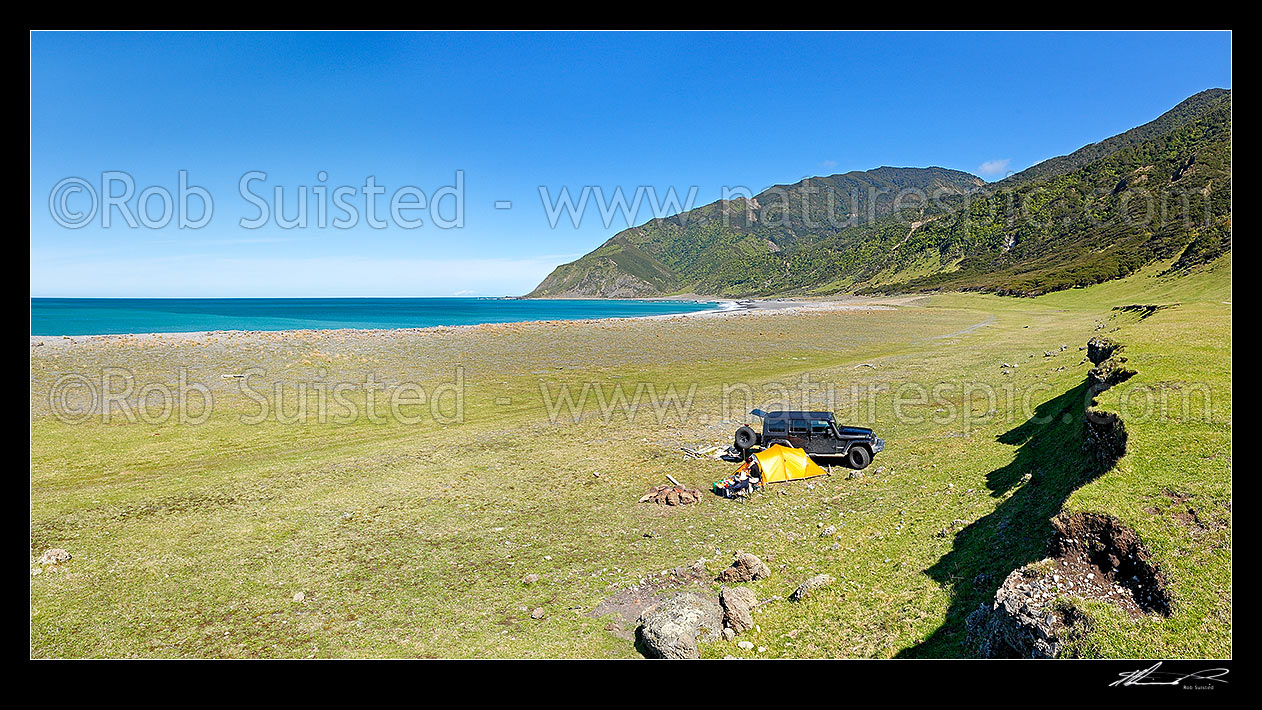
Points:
x=514, y=112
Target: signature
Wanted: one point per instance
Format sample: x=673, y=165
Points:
x=1152, y=676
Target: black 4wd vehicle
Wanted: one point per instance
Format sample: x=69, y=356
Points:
x=816, y=432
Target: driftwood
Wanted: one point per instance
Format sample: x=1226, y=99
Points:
x=671, y=495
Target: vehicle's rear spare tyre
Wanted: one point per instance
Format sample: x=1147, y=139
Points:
x=745, y=438
x=858, y=457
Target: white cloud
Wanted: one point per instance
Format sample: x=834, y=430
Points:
x=993, y=167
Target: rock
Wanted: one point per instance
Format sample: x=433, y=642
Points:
x=828, y=531
x=671, y=629
x=729, y=634
x=1100, y=349
x=1010, y=628
x=747, y=645
x=738, y=604
x=300, y=598
x=745, y=568
x=55, y=556
x=804, y=590
x=537, y=613
x=530, y=579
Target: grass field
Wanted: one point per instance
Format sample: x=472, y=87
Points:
x=393, y=537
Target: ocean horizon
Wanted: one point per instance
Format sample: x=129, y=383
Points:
x=120, y=316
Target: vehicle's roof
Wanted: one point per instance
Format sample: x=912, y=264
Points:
x=797, y=414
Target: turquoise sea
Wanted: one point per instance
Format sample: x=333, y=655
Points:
x=99, y=316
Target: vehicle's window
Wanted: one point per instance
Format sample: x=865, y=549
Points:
x=776, y=426
x=797, y=426
x=819, y=426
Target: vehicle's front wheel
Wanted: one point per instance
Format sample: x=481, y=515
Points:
x=859, y=457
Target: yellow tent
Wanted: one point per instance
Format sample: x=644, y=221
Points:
x=780, y=463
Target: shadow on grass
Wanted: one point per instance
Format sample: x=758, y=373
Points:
x=1017, y=532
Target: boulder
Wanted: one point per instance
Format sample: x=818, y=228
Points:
x=738, y=605
x=1011, y=627
x=745, y=568
x=671, y=629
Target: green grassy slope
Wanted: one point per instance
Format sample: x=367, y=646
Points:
x=1150, y=200
x=1156, y=192
x=413, y=540
x=723, y=247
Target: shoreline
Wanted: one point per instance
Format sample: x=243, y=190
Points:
x=724, y=308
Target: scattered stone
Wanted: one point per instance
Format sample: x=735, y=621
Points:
x=747, y=645
x=55, y=556
x=530, y=579
x=828, y=531
x=671, y=629
x=745, y=568
x=803, y=590
x=729, y=634
x=300, y=598
x=738, y=604
x=537, y=613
